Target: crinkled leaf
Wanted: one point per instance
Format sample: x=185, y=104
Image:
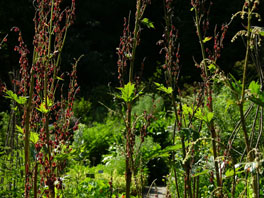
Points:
x=127, y=92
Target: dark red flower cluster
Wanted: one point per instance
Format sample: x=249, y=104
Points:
x=50, y=113
x=171, y=48
x=124, y=51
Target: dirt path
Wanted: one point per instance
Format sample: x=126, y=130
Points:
x=155, y=192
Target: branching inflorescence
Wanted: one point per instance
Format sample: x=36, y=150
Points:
x=47, y=116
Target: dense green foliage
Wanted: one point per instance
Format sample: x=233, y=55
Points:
x=191, y=121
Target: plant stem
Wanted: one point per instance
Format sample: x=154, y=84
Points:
x=28, y=107
x=211, y=125
x=128, y=150
x=47, y=62
x=242, y=99
x=135, y=41
x=129, y=135
x=35, y=185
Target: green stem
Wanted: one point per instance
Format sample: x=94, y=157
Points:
x=28, y=108
x=211, y=125
x=48, y=61
x=242, y=100
x=135, y=41
x=128, y=150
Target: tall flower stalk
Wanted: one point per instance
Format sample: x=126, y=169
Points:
x=172, y=70
x=47, y=114
x=202, y=25
x=248, y=10
x=126, y=58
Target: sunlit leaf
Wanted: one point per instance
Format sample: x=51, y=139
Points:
x=59, y=78
x=187, y=110
x=19, y=99
x=204, y=116
x=229, y=173
x=19, y=129
x=42, y=108
x=261, y=33
x=127, y=92
x=209, y=116
x=164, y=89
x=254, y=87
x=34, y=137
x=211, y=67
x=148, y=23
x=206, y=39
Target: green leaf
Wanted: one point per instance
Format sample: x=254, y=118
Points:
x=187, y=110
x=236, y=85
x=257, y=96
x=49, y=102
x=228, y=104
x=199, y=114
x=212, y=67
x=166, y=151
x=147, y=23
x=164, y=89
x=206, y=39
x=229, y=173
x=204, y=116
x=127, y=92
x=42, y=107
x=19, y=99
x=59, y=78
x=257, y=101
x=192, y=9
x=209, y=116
x=201, y=173
x=254, y=88
x=261, y=33
x=34, y=137
x=19, y=129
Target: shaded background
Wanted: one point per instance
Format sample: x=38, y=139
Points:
x=96, y=34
